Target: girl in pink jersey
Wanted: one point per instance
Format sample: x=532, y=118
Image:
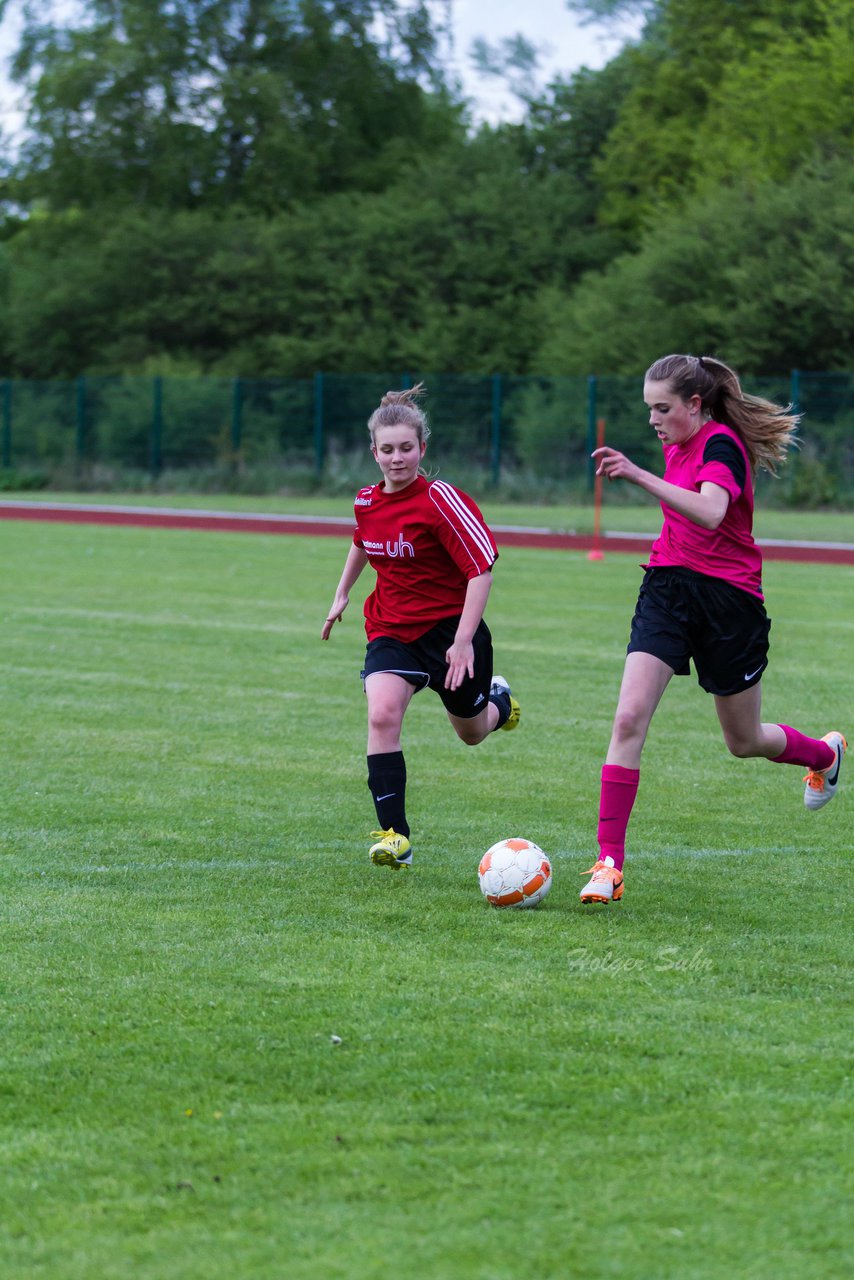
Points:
x=701, y=597
x=433, y=556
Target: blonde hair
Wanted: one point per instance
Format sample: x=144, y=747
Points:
x=766, y=430
x=400, y=408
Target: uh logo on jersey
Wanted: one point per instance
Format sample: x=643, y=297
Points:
x=394, y=550
x=400, y=548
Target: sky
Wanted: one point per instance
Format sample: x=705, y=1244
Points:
x=563, y=43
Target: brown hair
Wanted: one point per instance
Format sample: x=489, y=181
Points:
x=766, y=429
x=400, y=408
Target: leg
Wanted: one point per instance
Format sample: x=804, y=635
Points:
x=484, y=693
x=388, y=697
x=475, y=729
x=744, y=732
x=645, y=678
x=502, y=711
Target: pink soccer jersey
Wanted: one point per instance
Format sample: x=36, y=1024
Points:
x=728, y=552
x=425, y=542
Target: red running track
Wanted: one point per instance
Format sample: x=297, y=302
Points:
x=333, y=526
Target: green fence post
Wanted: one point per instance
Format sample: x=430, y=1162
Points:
x=155, y=451
x=7, y=423
x=80, y=424
x=496, y=428
x=236, y=416
x=318, y=425
x=591, y=430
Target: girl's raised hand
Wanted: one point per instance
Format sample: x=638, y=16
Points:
x=615, y=465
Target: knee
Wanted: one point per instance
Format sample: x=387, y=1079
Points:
x=629, y=725
x=472, y=731
x=740, y=745
x=383, y=718
x=469, y=734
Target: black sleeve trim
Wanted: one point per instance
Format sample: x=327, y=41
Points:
x=722, y=449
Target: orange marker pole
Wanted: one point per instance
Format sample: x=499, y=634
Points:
x=595, y=553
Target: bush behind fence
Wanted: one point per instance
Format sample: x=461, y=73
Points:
x=280, y=433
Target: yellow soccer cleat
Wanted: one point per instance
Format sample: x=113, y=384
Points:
x=391, y=850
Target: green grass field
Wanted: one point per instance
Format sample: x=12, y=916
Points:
x=656, y=1090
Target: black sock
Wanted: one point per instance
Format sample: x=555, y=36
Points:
x=502, y=702
x=387, y=783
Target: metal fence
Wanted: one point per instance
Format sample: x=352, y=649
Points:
x=310, y=429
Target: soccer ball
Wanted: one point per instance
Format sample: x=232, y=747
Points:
x=514, y=873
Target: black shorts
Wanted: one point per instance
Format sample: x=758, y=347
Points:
x=422, y=662
x=682, y=615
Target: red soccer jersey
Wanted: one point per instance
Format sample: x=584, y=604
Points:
x=729, y=551
x=426, y=542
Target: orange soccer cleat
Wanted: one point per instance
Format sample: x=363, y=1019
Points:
x=605, y=883
x=822, y=784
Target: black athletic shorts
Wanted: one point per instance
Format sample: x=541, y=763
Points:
x=422, y=662
x=682, y=615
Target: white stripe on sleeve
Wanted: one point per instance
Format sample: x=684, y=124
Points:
x=464, y=523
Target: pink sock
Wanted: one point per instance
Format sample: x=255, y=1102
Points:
x=619, y=788
x=800, y=749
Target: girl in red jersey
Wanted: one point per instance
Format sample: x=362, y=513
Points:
x=433, y=555
x=701, y=597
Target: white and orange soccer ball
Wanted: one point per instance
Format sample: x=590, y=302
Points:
x=514, y=873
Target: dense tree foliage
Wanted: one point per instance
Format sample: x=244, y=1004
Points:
x=280, y=186
x=183, y=103
x=732, y=91
x=764, y=274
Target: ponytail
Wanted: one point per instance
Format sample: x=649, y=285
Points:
x=767, y=430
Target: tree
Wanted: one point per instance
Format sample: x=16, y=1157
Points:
x=778, y=105
x=281, y=186
x=567, y=129
x=761, y=275
x=443, y=269
x=179, y=103
x=707, y=63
